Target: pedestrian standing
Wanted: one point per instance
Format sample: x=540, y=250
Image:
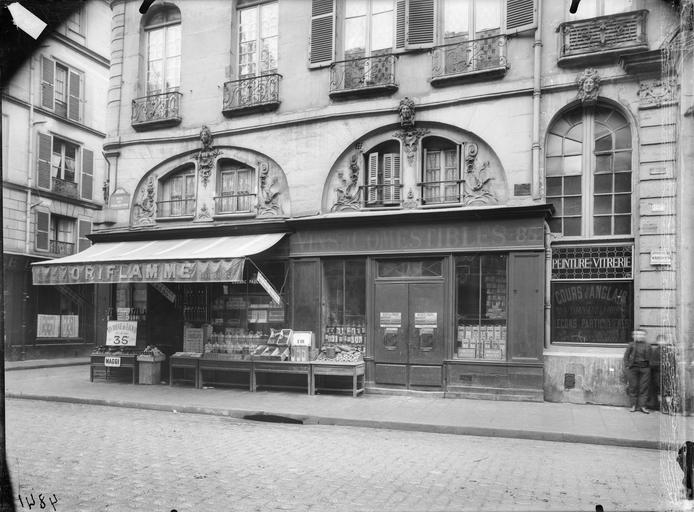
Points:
x=637, y=360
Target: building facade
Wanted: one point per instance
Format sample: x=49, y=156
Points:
x=480, y=195
x=53, y=130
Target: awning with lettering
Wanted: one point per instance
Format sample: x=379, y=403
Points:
x=191, y=260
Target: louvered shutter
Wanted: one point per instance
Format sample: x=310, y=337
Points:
x=43, y=225
x=47, y=79
x=322, y=45
x=391, y=178
x=87, y=180
x=73, y=109
x=400, y=7
x=43, y=166
x=84, y=228
x=520, y=15
x=420, y=24
x=373, y=178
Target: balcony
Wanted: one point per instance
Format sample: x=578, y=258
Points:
x=67, y=188
x=603, y=39
x=382, y=196
x=57, y=248
x=255, y=94
x=176, y=208
x=228, y=204
x=468, y=61
x=156, y=111
x=363, y=76
x=441, y=192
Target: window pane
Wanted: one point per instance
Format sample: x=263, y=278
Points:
x=456, y=19
x=572, y=206
x=602, y=226
x=268, y=20
x=602, y=204
x=622, y=203
x=155, y=47
x=572, y=227
x=622, y=182
x=555, y=225
x=572, y=185
x=572, y=147
x=381, y=6
x=602, y=183
x=382, y=31
x=575, y=133
x=173, y=73
x=603, y=143
x=572, y=165
x=247, y=24
x=553, y=145
x=487, y=15
x=554, y=166
x=554, y=186
x=355, y=8
x=617, y=6
x=355, y=34
x=623, y=138
x=622, y=224
x=603, y=163
x=558, y=205
x=622, y=161
x=173, y=41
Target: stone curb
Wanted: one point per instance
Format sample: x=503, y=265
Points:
x=39, y=366
x=369, y=423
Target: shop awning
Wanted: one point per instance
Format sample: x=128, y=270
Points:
x=191, y=260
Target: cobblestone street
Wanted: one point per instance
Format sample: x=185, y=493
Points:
x=116, y=459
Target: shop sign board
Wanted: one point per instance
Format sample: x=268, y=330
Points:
x=121, y=333
x=47, y=326
x=592, y=262
x=391, y=319
x=302, y=339
x=661, y=258
x=425, y=320
x=113, y=361
x=119, y=200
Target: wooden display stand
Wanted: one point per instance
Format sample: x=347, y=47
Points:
x=183, y=361
x=328, y=368
x=224, y=365
x=281, y=367
x=127, y=361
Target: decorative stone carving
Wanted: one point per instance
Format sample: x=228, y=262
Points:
x=588, y=86
x=207, y=155
x=655, y=92
x=408, y=134
x=347, y=190
x=406, y=111
x=410, y=202
x=268, y=194
x=476, y=182
x=147, y=205
x=204, y=213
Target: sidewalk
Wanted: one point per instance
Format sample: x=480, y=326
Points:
x=595, y=424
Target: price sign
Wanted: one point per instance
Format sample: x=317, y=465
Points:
x=112, y=361
x=121, y=334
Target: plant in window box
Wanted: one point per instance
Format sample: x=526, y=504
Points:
x=151, y=354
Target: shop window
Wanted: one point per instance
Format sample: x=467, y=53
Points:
x=344, y=299
x=64, y=314
x=590, y=187
x=236, y=189
x=384, y=185
x=441, y=171
x=61, y=89
x=163, y=39
x=410, y=268
x=258, y=40
x=178, y=195
x=482, y=298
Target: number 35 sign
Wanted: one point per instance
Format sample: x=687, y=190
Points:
x=121, y=333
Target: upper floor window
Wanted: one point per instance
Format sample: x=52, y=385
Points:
x=369, y=28
x=384, y=183
x=75, y=23
x=177, y=194
x=469, y=19
x=61, y=89
x=441, y=171
x=64, y=167
x=589, y=172
x=258, y=39
x=236, y=189
x=163, y=36
x=60, y=235
x=594, y=8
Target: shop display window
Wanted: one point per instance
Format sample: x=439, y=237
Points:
x=64, y=314
x=482, y=307
x=344, y=299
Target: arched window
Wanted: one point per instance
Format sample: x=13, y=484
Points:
x=163, y=38
x=177, y=194
x=588, y=172
x=236, y=188
x=441, y=171
x=384, y=182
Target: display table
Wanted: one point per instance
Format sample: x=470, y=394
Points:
x=213, y=365
x=281, y=367
x=107, y=361
x=184, y=361
x=329, y=368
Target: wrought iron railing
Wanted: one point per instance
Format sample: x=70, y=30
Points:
x=604, y=33
x=363, y=73
x=63, y=187
x=61, y=248
x=382, y=195
x=469, y=56
x=247, y=93
x=157, y=108
x=437, y=192
x=240, y=202
x=176, y=208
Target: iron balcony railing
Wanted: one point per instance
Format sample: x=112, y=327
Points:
x=61, y=248
x=468, y=57
x=258, y=92
x=63, y=187
x=382, y=195
x=438, y=192
x=176, y=208
x=240, y=202
x=157, y=110
x=613, y=33
x=363, y=74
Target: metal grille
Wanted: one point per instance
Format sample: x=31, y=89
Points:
x=603, y=33
x=591, y=262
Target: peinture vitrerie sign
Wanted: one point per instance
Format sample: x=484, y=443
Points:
x=593, y=262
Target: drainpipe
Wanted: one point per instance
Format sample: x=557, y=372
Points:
x=537, y=47
x=30, y=158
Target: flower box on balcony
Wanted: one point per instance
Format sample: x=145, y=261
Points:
x=468, y=61
x=156, y=111
x=254, y=94
x=363, y=76
x=602, y=39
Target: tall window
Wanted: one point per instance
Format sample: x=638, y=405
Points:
x=589, y=176
x=594, y=8
x=163, y=32
x=64, y=158
x=384, y=175
x=66, y=161
x=441, y=180
x=344, y=302
x=237, y=189
x=258, y=39
x=470, y=19
x=75, y=23
x=178, y=195
x=369, y=27
x=61, y=89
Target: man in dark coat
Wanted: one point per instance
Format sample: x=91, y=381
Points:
x=637, y=360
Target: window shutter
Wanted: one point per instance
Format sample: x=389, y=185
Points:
x=43, y=225
x=400, y=24
x=87, y=180
x=73, y=109
x=373, y=178
x=420, y=24
x=391, y=176
x=84, y=228
x=322, y=45
x=43, y=173
x=520, y=15
x=47, y=78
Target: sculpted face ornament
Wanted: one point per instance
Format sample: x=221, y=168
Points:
x=206, y=156
x=588, y=86
x=408, y=134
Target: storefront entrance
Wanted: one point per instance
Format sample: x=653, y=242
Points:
x=409, y=337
